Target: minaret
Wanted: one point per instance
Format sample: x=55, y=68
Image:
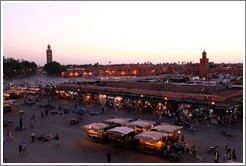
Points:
x=203, y=69
x=49, y=54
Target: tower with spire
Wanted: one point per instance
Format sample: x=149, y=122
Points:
x=49, y=54
x=204, y=67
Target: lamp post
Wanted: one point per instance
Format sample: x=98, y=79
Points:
x=213, y=104
x=21, y=121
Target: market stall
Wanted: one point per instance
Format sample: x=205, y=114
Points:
x=141, y=125
x=121, y=136
x=118, y=121
x=151, y=141
x=97, y=131
x=172, y=131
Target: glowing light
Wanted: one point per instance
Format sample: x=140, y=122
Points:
x=70, y=74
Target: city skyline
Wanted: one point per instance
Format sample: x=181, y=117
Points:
x=123, y=32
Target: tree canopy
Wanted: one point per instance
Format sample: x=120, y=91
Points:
x=13, y=68
x=53, y=68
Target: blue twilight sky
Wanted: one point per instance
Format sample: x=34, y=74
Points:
x=85, y=32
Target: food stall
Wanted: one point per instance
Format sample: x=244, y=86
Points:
x=97, y=131
x=151, y=141
x=7, y=105
x=118, y=121
x=141, y=125
x=121, y=136
x=172, y=131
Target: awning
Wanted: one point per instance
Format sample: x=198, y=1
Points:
x=120, y=130
x=167, y=128
x=141, y=123
x=150, y=135
x=97, y=126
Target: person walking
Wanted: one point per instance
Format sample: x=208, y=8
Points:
x=57, y=139
x=109, y=156
x=9, y=134
x=216, y=156
x=42, y=114
x=186, y=147
x=234, y=157
x=33, y=117
x=208, y=123
x=24, y=148
x=46, y=111
x=32, y=123
x=33, y=136
x=196, y=122
x=193, y=150
x=20, y=150
x=228, y=154
x=182, y=138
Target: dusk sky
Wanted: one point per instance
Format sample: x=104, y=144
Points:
x=124, y=31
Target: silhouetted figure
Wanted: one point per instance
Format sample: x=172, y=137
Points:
x=42, y=114
x=229, y=154
x=234, y=157
x=33, y=117
x=33, y=136
x=182, y=138
x=20, y=150
x=46, y=111
x=24, y=148
x=57, y=139
x=193, y=150
x=216, y=157
x=109, y=156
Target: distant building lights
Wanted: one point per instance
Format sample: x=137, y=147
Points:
x=70, y=74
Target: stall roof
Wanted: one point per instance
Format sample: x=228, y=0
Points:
x=141, y=123
x=150, y=135
x=8, y=102
x=165, y=127
x=121, y=130
x=97, y=126
x=121, y=121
